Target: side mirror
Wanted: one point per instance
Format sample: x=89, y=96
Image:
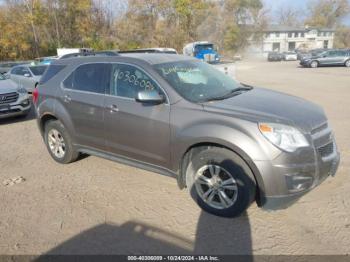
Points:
x=27, y=75
x=149, y=97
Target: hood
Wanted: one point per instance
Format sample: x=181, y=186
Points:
x=263, y=105
x=7, y=86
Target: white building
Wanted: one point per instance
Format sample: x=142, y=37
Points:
x=282, y=38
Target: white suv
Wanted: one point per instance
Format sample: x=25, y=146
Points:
x=14, y=101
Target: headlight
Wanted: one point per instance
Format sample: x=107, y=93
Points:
x=22, y=90
x=285, y=137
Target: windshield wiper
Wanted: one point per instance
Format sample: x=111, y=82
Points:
x=234, y=92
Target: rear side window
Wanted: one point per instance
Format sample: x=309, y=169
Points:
x=38, y=70
x=341, y=53
x=51, y=71
x=89, y=78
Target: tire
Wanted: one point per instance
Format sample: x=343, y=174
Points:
x=347, y=63
x=235, y=180
x=62, y=151
x=314, y=64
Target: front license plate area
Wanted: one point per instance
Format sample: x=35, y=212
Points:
x=4, y=107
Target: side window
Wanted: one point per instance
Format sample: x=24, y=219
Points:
x=51, y=71
x=15, y=71
x=127, y=81
x=68, y=83
x=89, y=77
x=332, y=54
x=341, y=53
x=20, y=71
x=24, y=71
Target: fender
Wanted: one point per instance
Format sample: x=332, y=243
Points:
x=54, y=108
x=221, y=135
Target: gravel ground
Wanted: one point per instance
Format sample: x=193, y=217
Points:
x=96, y=206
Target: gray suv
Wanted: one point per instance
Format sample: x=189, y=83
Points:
x=230, y=144
x=327, y=58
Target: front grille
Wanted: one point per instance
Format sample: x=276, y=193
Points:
x=8, y=98
x=326, y=150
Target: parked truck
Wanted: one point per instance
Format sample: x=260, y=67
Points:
x=65, y=51
x=203, y=50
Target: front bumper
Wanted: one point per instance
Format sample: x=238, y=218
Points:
x=284, y=201
x=290, y=176
x=305, y=63
x=18, y=108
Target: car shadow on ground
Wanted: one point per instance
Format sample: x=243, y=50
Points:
x=13, y=120
x=214, y=236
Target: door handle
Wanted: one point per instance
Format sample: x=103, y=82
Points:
x=67, y=98
x=113, y=108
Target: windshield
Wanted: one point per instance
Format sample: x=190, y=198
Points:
x=38, y=70
x=197, y=81
x=204, y=47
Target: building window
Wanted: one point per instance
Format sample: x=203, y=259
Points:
x=302, y=34
x=290, y=34
x=277, y=34
x=296, y=34
x=319, y=34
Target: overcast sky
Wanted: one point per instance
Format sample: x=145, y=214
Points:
x=275, y=5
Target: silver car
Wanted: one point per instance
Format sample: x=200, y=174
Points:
x=14, y=100
x=229, y=143
x=328, y=58
x=27, y=76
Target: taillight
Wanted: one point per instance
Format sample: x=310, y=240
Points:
x=35, y=95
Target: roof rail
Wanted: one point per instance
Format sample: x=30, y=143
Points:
x=97, y=53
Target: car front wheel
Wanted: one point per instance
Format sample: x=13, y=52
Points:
x=314, y=64
x=59, y=143
x=220, y=182
x=347, y=63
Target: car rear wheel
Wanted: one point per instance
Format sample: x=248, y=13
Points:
x=220, y=182
x=347, y=63
x=314, y=64
x=59, y=143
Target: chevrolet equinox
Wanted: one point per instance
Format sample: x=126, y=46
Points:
x=229, y=143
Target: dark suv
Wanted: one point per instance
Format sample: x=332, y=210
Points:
x=327, y=58
x=228, y=143
x=274, y=56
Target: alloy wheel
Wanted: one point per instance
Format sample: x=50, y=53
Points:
x=314, y=64
x=216, y=186
x=56, y=143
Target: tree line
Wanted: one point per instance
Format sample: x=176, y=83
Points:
x=34, y=28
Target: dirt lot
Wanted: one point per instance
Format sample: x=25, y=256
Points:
x=95, y=206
